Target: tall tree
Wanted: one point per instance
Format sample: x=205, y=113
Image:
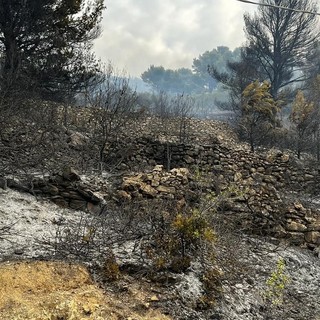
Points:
x=281, y=40
x=43, y=43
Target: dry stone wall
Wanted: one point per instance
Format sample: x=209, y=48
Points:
x=65, y=189
x=276, y=167
x=271, y=181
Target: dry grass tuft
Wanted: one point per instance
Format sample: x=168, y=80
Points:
x=59, y=291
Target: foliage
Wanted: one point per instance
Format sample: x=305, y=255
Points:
x=259, y=111
x=238, y=75
x=182, y=80
x=180, y=239
x=110, y=268
x=276, y=284
x=191, y=228
x=301, y=118
x=301, y=110
x=211, y=280
x=313, y=95
x=218, y=58
x=281, y=40
x=45, y=45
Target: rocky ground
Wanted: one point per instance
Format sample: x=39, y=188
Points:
x=246, y=262
x=42, y=243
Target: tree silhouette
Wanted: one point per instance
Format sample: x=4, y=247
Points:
x=44, y=43
x=281, y=39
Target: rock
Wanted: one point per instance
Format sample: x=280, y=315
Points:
x=3, y=183
x=158, y=168
x=88, y=195
x=296, y=238
x=299, y=206
x=182, y=172
x=181, y=204
x=314, y=226
x=93, y=208
x=71, y=195
x=148, y=191
x=166, y=189
x=154, y=298
x=60, y=201
x=13, y=184
x=19, y=251
x=123, y=195
x=279, y=231
x=50, y=189
x=308, y=176
x=155, y=182
x=70, y=174
x=77, y=140
x=313, y=237
x=131, y=184
x=237, y=177
x=285, y=157
x=188, y=159
x=296, y=226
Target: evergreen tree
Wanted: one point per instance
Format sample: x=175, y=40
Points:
x=281, y=40
x=45, y=45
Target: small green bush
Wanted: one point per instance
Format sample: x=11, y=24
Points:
x=276, y=284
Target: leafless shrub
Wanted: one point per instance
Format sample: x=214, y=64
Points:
x=114, y=108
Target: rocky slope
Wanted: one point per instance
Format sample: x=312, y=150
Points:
x=277, y=221
x=246, y=261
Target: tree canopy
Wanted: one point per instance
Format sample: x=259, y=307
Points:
x=44, y=43
x=217, y=58
x=259, y=111
x=182, y=80
x=282, y=39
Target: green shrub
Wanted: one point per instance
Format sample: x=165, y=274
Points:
x=276, y=284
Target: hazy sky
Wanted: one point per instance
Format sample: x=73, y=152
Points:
x=138, y=33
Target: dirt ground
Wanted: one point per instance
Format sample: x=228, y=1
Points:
x=41, y=290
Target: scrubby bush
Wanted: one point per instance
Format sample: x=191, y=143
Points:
x=276, y=285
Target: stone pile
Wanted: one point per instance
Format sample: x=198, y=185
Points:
x=157, y=183
x=65, y=189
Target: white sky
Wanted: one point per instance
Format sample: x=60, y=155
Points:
x=171, y=33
